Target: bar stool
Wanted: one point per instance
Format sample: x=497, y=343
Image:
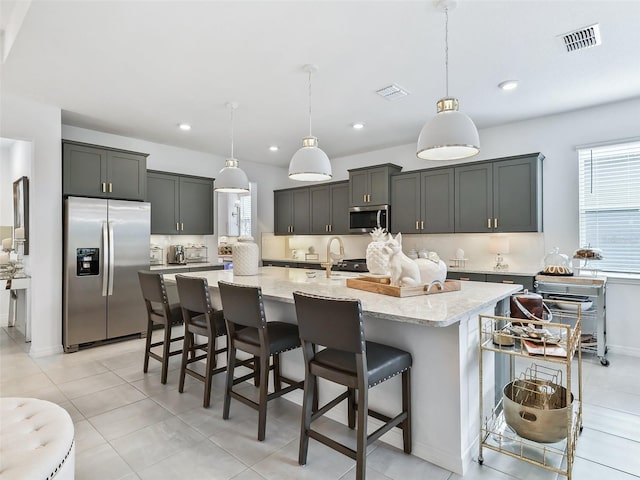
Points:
x=243, y=307
x=200, y=318
x=349, y=360
x=159, y=312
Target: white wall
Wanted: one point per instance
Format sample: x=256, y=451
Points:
x=40, y=125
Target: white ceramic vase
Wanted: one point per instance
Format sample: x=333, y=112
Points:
x=245, y=257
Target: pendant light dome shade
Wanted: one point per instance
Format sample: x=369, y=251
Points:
x=450, y=135
x=310, y=164
x=231, y=179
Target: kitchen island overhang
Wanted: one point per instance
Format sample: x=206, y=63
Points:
x=439, y=330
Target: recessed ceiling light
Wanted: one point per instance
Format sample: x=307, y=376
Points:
x=274, y=148
x=508, y=85
x=358, y=125
x=184, y=126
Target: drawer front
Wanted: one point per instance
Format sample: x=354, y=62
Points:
x=526, y=282
x=467, y=276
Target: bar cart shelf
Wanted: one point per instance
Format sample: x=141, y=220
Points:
x=543, y=353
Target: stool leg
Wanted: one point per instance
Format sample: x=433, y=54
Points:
x=231, y=364
x=351, y=408
x=208, y=369
x=166, y=347
x=262, y=407
x=147, y=347
x=361, y=449
x=277, y=384
x=186, y=346
x=256, y=371
x=310, y=396
x=406, y=407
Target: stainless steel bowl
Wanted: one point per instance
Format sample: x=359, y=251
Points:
x=537, y=409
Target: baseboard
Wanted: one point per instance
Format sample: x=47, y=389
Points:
x=43, y=352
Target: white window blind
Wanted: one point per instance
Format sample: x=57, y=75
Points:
x=609, y=189
x=245, y=215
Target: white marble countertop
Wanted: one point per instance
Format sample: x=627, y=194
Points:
x=435, y=310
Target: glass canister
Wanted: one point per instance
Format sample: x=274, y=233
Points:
x=556, y=263
x=245, y=257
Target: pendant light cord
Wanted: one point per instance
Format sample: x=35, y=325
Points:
x=232, y=109
x=310, y=103
x=446, y=49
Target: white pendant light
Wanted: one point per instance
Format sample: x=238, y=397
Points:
x=231, y=179
x=450, y=134
x=310, y=164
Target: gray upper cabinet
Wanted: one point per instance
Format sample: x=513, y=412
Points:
x=503, y=195
x=423, y=202
x=371, y=185
x=180, y=204
x=292, y=211
x=102, y=172
x=330, y=208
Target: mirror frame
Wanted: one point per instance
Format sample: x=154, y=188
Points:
x=21, y=209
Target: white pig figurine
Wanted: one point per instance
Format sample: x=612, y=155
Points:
x=404, y=271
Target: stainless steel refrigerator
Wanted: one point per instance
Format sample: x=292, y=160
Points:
x=106, y=242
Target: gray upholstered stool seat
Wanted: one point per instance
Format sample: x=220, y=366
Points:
x=36, y=440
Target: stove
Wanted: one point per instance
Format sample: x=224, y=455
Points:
x=351, y=265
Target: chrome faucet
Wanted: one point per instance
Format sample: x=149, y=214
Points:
x=329, y=262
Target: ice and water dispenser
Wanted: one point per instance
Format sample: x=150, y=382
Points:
x=87, y=262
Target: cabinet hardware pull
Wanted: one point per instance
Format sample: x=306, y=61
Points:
x=495, y=223
x=177, y=226
x=421, y=224
x=465, y=278
x=104, y=187
x=507, y=281
x=330, y=228
x=417, y=227
x=369, y=198
x=181, y=226
x=488, y=223
x=110, y=187
x=364, y=198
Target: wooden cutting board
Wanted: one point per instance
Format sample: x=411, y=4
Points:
x=382, y=285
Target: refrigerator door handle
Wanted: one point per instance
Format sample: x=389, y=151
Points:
x=112, y=260
x=105, y=258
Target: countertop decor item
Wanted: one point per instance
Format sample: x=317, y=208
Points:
x=432, y=269
x=499, y=246
x=404, y=271
x=450, y=134
x=310, y=164
x=245, y=257
x=231, y=179
x=382, y=285
x=376, y=256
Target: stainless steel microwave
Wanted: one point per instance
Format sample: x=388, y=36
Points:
x=365, y=219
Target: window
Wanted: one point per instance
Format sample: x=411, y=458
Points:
x=609, y=203
x=245, y=215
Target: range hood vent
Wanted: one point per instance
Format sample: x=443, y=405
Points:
x=582, y=38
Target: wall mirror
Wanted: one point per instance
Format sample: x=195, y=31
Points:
x=237, y=213
x=21, y=212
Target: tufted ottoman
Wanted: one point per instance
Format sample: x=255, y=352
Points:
x=36, y=440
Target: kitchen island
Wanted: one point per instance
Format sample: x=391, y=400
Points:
x=440, y=332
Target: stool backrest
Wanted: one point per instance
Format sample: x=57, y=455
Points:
x=330, y=322
x=153, y=287
x=242, y=304
x=194, y=294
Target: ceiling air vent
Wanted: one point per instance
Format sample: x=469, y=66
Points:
x=582, y=38
x=392, y=92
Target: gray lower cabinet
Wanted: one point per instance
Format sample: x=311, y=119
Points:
x=330, y=208
x=502, y=195
x=180, y=204
x=286, y=263
x=423, y=202
x=292, y=211
x=524, y=280
x=371, y=185
x=102, y=172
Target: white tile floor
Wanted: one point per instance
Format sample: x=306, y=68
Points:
x=129, y=426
